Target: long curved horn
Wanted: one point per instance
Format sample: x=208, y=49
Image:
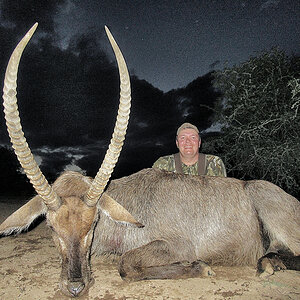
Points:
x=14, y=127
x=116, y=143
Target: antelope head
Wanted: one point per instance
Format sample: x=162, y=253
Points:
x=71, y=204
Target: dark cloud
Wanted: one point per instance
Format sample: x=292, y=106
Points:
x=22, y=14
x=269, y=4
x=74, y=90
x=68, y=102
x=168, y=43
x=69, y=85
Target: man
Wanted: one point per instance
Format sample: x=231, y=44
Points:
x=189, y=160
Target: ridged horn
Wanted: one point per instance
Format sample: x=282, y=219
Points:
x=116, y=143
x=14, y=127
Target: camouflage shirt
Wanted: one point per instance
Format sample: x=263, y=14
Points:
x=214, y=165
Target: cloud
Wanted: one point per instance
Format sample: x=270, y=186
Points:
x=68, y=107
x=269, y=4
x=23, y=14
x=216, y=127
x=142, y=124
x=75, y=168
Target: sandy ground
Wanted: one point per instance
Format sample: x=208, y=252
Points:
x=30, y=268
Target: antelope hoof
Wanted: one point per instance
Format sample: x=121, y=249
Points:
x=202, y=269
x=268, y=264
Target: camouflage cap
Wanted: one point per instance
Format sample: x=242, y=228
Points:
x=185, y=126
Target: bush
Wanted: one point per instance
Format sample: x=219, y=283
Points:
x=259, y=113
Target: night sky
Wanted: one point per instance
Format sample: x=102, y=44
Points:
x=170, y=43
x=68, y=84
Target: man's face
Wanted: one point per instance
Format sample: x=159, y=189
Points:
x=188, y=142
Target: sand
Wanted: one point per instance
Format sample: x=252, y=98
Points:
x=30, y=269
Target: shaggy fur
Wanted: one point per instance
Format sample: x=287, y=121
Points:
x=186, y=223
x=214, y=219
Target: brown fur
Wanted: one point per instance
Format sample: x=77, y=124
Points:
x=187, y=220
x=72, y=232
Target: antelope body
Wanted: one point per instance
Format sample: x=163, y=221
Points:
x=164, y=225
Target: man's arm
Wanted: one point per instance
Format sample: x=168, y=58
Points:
x=165, y=163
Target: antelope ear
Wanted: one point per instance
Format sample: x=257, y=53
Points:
x=24, y=216
x=116, y=211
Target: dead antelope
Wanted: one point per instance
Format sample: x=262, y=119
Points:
x=188, y=222
x=72, y=214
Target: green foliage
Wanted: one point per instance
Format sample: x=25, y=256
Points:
x=259, y=111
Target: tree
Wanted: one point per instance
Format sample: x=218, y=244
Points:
x=259, y=113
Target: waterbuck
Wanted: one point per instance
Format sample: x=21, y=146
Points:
x=163, y=225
